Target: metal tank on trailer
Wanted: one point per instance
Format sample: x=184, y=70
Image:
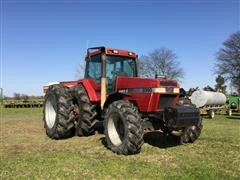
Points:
x=208, y=102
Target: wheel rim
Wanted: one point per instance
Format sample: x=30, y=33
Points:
x=212, y=114
x=50, y=114
x=115, y=129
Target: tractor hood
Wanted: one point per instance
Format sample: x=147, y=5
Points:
x=137, y=84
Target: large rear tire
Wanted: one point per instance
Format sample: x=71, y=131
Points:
x=123, y=128
x=86, y=112
x=191, y=134
x=58, y=112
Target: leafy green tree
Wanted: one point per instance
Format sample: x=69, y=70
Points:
x=228, y=60
x=220, y=84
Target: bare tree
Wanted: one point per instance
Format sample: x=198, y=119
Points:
x=161, y=61
x=228, y=60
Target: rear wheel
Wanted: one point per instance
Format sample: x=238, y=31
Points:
x=191, y=134
x=123, y=128
x=211, y=114
x=58, y=112
x=85, y=111
x=230, y=112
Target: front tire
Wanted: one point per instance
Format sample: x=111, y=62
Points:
x=191, y=134
x=58, y=112
x=123, y=128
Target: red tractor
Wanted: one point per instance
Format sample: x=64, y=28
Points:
x=112, y=92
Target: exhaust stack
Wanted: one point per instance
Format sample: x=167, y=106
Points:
x=103, y=79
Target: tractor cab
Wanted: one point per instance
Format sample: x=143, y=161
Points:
x=108, y=64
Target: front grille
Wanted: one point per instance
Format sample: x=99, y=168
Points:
x=168, y=83
x=166, y=101
x=169, y=90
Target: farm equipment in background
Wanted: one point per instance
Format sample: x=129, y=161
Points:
x=209, y=102
x=112, y=93
x=32, y=103
x=233, y=104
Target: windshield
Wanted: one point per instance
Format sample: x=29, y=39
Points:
x=119, y=66
x=115, y=66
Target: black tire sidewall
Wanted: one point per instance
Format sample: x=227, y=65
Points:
x=52, y=96
x=83, y=125
x=185, y=137
x=120, y=147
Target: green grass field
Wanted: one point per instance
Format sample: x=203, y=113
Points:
x=27, y=153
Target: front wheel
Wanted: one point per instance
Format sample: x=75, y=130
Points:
x=123, y=128
x=191, y=134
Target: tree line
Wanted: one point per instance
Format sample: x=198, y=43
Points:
x=227, y=67
x=24, y=97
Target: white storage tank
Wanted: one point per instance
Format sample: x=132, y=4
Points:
x=202, y=98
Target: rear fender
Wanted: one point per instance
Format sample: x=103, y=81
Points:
x=92, y=88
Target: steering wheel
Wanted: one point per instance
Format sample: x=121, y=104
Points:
x=119, y=73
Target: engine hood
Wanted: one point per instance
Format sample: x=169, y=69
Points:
x=123, y=83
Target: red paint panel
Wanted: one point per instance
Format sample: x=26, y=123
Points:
x=121, y=53
x=135, y=82
x=92, y=88
x=146, y=102
x=69, y=83
x=65, y=83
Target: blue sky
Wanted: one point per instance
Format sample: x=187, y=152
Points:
x=44, y=41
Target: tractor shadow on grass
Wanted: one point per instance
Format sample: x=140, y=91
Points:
x=158, y=139
x=104, y=142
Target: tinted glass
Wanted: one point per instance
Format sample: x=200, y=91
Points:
x=119, y=66
x=93, y=69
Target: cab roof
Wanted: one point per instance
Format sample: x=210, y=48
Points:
x=113, y=52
